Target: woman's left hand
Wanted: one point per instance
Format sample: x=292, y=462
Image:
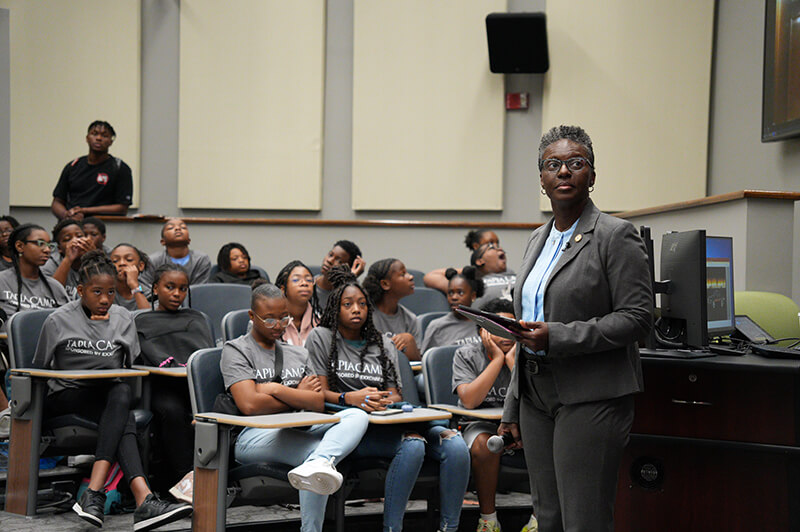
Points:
x=535, y=337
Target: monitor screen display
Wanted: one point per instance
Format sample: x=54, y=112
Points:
x=719, y=285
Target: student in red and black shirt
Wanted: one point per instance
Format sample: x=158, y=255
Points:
x=96, y=183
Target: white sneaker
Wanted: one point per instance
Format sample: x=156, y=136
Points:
x=317, y=475
x=184, y=489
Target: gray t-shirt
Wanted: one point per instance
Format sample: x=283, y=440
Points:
x=496, y=285
x=70, y=340
x=322, y=296
x=34, y=293
x=130, y=304
x=449, y=330
x=243, y=359
x=353, y=370
x=198, y=267
x=73, y=277
x=402, y=321
x=468, y=363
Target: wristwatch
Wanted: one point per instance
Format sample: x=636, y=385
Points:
x=341, y=399
x=139, y=289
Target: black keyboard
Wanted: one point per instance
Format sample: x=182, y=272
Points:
x=774, y=351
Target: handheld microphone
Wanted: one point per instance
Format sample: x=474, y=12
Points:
x=496, y=444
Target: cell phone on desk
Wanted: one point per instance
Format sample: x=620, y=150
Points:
x=387, y=412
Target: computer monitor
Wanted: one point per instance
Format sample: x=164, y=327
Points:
x=684, y=311
x=719, y=286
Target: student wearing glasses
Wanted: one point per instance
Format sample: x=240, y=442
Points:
x=24, y=286
x=267, y=376
x=297, y=283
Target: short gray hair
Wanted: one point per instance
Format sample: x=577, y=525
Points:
x=574, y=133
x=265, y=291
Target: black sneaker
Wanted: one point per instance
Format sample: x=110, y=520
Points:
x=154, y=512
x=91, y=507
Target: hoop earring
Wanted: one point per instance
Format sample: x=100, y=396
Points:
x=591, y=188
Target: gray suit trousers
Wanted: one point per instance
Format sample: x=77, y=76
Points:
x=573, y=454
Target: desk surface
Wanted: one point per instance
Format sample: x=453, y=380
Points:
x=167, y=372
x=415, y=416
x=78, y=374
x=493, y=414
x=727, y=362
x=270, y=421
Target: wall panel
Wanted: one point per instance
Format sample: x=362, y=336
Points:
x=251, y=101
x=428, y=115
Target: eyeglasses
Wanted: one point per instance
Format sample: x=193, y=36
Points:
x=574, y=164
x=43, y=244
x=6, y=231
x=273, y=323
x=297, y=279
x=487, y=247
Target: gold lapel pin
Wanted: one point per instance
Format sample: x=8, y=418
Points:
x=578, y=237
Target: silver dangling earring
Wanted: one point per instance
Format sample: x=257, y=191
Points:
x=543, y=192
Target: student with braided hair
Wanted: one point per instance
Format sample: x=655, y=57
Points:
x=387, y=282
x=357, y=367
x=297, y=283
x=93, y=333
x=25, y=286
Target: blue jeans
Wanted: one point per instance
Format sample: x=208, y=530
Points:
x=407, y=453
x=295, y=446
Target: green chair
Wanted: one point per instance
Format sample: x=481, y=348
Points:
x=775, y=313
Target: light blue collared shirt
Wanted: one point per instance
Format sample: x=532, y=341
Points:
x=535, y=283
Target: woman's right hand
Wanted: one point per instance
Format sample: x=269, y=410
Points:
x=513, y=430
x=369, y=399
x=535, y=335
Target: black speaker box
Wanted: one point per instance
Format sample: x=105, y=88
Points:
x=517, y=43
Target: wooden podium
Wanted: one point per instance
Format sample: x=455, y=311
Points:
x=715, y=445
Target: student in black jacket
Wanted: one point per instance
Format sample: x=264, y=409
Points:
x=168, y=336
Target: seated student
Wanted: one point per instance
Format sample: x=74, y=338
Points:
x=233, y=261
x=387, y=282
x=474, y=239
x=481, y=375
x=7, y=225
x=93, y=333
x=498, y=281
x=95, y=229
x=168, y=336
x=24, y=286
x=175, y=239
x=297, y=284
x=132, y=293
x=342, y=252
x=357, y=367
x=453, y=328
x=72, y=245
x=267, y=376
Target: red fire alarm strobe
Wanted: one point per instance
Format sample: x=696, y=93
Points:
x=516, y=101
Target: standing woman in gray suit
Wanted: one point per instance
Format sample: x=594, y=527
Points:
x=583, y=293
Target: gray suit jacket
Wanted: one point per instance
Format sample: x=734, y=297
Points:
x=598, y=303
